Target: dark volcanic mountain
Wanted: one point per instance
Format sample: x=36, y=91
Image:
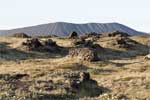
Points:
x=63, y=29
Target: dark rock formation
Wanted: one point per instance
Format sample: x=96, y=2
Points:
x=83, y=84
x=73, y=35
x=87, y=44
x=37, y=45
x=32, y=44
x=124, y=42
x=12, y=77
x=50, y=42
x=20, y=35
x=85, y=76
x=84, y=54
x=92, y=35
x=115, y=33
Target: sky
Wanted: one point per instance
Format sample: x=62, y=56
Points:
x=21, y=13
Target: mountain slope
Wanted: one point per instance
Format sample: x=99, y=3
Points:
x=63, y=29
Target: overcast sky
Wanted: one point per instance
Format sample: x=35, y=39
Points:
x=20, y=13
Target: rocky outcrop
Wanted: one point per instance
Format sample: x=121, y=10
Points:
x=12, y=77
x=50, y=42
x=32, y=44
x=37, y=45
x=115, y=33
x=87, y=44
x=20, y=35
x=123, y=42
x=77, y=83
x=147, y=57
x=81, y=85
x=84, y=54
x=73, y=35
x=92, y=35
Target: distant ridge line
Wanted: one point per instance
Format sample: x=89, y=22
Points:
x=65, y=28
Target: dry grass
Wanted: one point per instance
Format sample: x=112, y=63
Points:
x=127, y=77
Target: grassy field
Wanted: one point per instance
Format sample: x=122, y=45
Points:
x=122, y=74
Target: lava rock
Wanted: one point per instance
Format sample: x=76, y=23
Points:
x=115, y=33
x=32, y=44
x=73, y=35
x=85, y=76
x=20, y=35
x=85, y=54
x=9, y=77
x=50, y=42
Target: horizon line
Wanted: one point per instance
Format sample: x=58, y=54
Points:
x=66, y=22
